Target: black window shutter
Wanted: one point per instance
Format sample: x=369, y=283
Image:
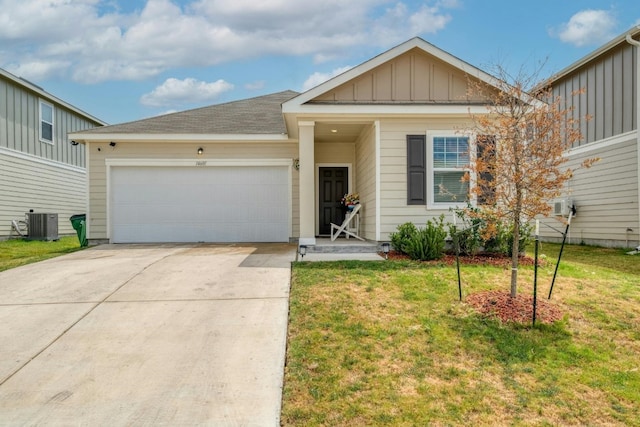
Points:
x=416, y=170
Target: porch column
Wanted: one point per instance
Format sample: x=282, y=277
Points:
x=307, y=183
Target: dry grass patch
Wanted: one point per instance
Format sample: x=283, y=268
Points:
x=390, y=344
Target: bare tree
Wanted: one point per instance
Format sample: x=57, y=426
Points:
x=520, y=157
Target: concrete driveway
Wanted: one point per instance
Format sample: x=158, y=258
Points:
x=146, y=335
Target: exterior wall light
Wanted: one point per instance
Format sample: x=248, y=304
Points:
x=112, y=144
x=200, y=151
x=385, y=249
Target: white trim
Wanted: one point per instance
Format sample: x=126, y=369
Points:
x=603, y=143
x=197, y=162
x=391, y=110
x=350, y=180
x=87, y=159
x=36, y=159
x=42, y=102
x=179, y=137
x=110, y=163
x=378, y=149
x=431, y=204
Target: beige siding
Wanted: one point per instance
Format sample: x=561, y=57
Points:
x=393, y=172
x=412, y=77
x=334, y=153
x=99, y=152
x=44, y=187
x=366, y=179
x=606, y=197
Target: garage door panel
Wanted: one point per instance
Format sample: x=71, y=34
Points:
x=212, y=204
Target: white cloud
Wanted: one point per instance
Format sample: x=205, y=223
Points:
x=317, y=78
x=94, y=41
x=187, y=91
x=588, y=27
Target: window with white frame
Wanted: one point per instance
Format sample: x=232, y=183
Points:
x=46, y=122
x=449, y=155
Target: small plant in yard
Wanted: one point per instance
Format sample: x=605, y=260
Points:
x=423, y=244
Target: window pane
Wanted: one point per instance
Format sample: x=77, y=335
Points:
x=438, y=145
x=447, y=187
x=47, y=132
x=438, y=160
x=46, y=113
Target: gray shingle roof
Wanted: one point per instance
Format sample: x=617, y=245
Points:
x=260, y=115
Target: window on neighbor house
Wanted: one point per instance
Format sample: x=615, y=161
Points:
x=450, y=154
x=46, y=122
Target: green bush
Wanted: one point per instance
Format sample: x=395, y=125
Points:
x=400, y=238
x=469, y=237
x=428, y=242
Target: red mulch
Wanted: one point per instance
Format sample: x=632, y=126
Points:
x=499, y=303
x=495, y=260
x=519, y=309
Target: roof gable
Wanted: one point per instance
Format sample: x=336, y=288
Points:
x=413, y=72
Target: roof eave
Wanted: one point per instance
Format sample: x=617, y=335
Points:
x=147, y=137
x=49, y=97
x=596, y=53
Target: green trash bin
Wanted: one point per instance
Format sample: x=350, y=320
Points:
x=79, y=223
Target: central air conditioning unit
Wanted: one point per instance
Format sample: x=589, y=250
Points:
x=563, y=207
x=43, y=226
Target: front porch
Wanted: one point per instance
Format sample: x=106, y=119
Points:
x=341, y=249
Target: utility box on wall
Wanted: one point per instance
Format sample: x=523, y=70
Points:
x=43, y=226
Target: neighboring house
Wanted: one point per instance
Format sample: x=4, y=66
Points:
x=607, y=195
x=274, y=168
x=40, y=169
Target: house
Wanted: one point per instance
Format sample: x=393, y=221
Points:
x=606, y=196
x=274, y=168
x=40, y=169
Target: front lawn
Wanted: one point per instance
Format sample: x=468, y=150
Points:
x=388, y=343
x=17, y=252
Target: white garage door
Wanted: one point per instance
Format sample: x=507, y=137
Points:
x=199, y=204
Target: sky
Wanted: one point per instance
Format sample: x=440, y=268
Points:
x=125, y=60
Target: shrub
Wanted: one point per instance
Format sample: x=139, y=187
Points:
x=400, y=238
x=427, y=243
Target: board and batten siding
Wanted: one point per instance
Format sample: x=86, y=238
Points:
x=99, y=152
x=46, y=187
x=394, y=209
x=609, y=97
x=20, y=126
x=606, y=197
x=366, y=179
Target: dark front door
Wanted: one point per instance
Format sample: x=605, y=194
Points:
x=334, y=184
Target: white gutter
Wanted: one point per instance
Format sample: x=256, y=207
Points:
x=636, y=43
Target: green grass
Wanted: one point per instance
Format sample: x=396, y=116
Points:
x=17, y=252
x=388, y=343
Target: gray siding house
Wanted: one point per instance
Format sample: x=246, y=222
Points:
x=39, y=167
x=607, y=195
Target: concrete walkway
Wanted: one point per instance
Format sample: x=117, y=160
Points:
x=146, y=335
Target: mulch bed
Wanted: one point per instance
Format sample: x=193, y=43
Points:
x=499, y=304
x=495, y=260
x=519, y=309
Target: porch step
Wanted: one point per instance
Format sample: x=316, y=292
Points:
x=343, y=246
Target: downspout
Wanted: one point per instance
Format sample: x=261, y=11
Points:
x=636, y=43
